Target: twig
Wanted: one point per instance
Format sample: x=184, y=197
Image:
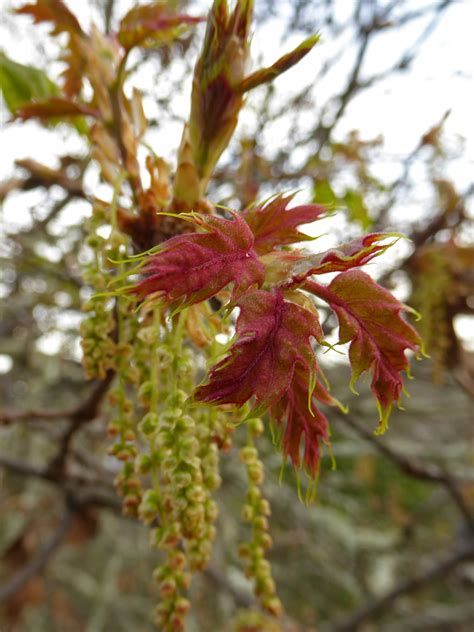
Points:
x=323, y=133
x=42, y=557
x=85, y=412
x=108, y=15
x=82, y=492
x=8, y=417
x=377, y=607
x=22, y=467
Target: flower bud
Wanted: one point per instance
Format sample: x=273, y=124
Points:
x=248, y=455
x=142, y=463
x=247, y=513
x=256, y=426
x=255, y=472
x=167, y=587
x=149, y=424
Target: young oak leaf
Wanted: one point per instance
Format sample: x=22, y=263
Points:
x=55, y=107
x=274, y=224
x=149, y=24
x=303, y=421
x=370, y=319
x=273, y=338
x=292, y=267
x=54, y=11
x=63, y=21
x=284, y=63
x=193, y=267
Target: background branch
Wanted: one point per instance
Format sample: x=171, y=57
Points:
x=38, y=562
x=426, y=471
x=378, y=607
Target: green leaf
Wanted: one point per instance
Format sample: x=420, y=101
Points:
x=20, y=84
x=324, y=194
x=357, y=210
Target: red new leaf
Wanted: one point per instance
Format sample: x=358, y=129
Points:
x=273, y=338
x=63, y=21
x=292, y=267
x=303, y=421
x=152, y=22
x=54, y=11
x=370, y=319
x=54, y=108
x=356, y=252
x=195, y=266
x=273, y=224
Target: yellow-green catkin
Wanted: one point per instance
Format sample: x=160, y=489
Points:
x=256, y=512
x=122, y=427
x=431, y=296
x=97, y=328
x=174, y=503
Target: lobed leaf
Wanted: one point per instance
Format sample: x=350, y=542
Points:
x=370, y=319
x=195, y=266
x=55, y=107
x=273, y=339
x=274, y=224
x=323, y=194
x=20, y=84
x=54, y=11
x=293, y=267
x=63, y=21
x=357, y=209
x=303, y=422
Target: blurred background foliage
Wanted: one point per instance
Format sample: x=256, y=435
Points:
x=388, y=544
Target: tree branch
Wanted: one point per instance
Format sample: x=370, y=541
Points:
x=85, y=412
x=22, y=468
x=8, y=417
x=377, y=607
x=82, y=491
x=426, y=471
x=42, y=557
